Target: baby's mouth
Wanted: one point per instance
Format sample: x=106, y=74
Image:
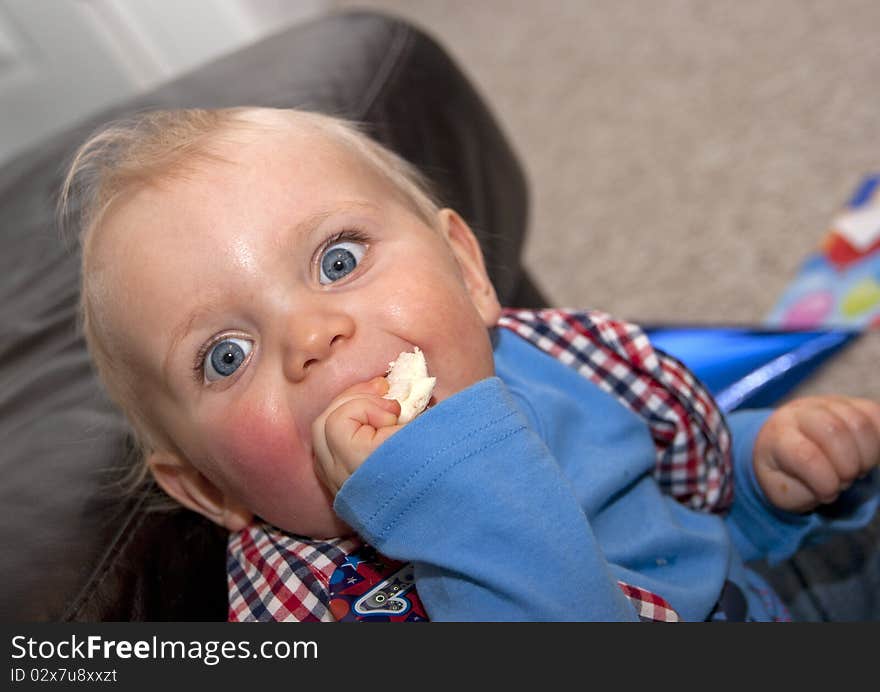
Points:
x=352, y=376
x=410, y=384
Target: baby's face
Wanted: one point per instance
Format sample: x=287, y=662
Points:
x=252, y=292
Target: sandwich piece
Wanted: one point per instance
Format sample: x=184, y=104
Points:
x=409, y=384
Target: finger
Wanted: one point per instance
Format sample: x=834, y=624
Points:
x=871, y=409
x=326, y=469
x=320, y=450
x=322, y=474
x=384, y=433
x=378, y=385
x=390, y=405
x=380, y=413
x=347, y=420
x=802, y=459
x=829, y=431
x=859, y=416
x=375, y=388
x=786, y=492
x=368, y=438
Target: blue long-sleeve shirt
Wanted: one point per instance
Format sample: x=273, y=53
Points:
x=529, y=495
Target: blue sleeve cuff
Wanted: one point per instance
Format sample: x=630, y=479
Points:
x=744, y=428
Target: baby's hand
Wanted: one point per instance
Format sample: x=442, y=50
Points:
x=350, y=429
x=811, y=449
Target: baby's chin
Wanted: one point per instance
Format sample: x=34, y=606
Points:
x=328, y=525
x=338, y=530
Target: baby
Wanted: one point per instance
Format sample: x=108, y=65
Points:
x=248, y=275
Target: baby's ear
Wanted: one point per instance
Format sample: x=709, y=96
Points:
x=186, y=484
x=466, y=249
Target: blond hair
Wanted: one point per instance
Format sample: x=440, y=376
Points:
x=150, y=146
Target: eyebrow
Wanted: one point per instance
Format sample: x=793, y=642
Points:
x=300, y=229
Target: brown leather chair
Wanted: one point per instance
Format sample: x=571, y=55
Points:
x=73, y=547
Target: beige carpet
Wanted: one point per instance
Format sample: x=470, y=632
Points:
x=683, y=155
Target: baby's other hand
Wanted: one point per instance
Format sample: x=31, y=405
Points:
x=811, y=449
x=350, y=429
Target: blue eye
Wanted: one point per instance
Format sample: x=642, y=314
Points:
x=225, y=358
x=339, y=260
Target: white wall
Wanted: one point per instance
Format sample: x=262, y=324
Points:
x=61, y=60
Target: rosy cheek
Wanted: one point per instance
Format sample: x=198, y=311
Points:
x=256, y=450
x=260, y=459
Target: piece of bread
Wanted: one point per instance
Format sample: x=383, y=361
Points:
x=409, y=384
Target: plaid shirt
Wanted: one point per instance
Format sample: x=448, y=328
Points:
x=273, y=575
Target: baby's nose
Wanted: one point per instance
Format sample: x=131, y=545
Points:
x=313, y=339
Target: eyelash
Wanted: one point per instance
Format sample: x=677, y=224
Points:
x=351, y=235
